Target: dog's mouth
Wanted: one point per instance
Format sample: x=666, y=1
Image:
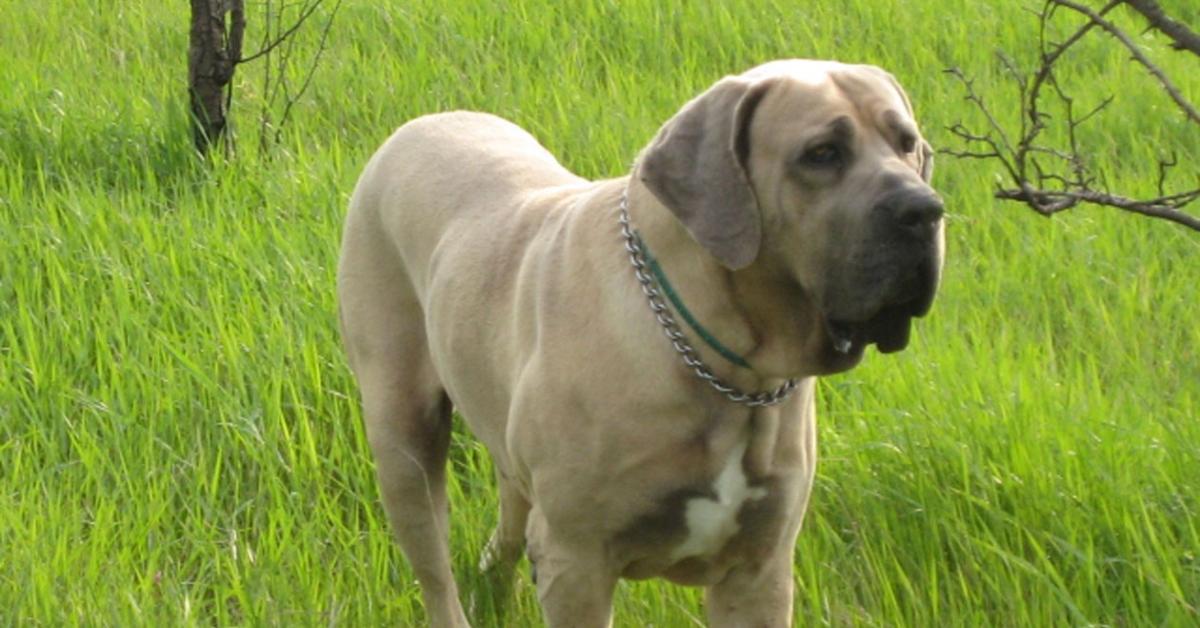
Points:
x=888, y=330
x=890, y=327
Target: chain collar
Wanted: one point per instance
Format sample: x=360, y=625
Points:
x=671, y=328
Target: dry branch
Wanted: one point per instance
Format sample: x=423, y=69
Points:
x=1138, y=55
x=1050, y=179
x=277, y=54
x=1184, y=37
x=282, y=37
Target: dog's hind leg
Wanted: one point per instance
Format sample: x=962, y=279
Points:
x=410, y=443
x=406, y=411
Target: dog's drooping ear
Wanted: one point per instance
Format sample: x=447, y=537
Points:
x=924, y=150
x=926, y=161
x=696, y=166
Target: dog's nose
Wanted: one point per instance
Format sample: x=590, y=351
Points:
x=914, y=211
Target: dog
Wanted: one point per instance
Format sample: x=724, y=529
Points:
x=787, y=214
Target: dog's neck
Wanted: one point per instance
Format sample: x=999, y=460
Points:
x=756, y=312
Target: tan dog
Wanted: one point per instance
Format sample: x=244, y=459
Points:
x=790, y=209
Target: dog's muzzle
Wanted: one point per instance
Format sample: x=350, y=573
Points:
x=910, y=222
x=888, y=329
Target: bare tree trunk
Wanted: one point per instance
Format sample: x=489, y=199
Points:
x=214, y=50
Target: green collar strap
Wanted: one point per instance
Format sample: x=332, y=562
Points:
x=669, y=290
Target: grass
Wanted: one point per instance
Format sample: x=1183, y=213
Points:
x=179, y=434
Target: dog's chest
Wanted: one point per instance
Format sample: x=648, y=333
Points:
x=711, y=520
x=723, y=515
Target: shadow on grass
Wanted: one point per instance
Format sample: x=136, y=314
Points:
x=50, y=153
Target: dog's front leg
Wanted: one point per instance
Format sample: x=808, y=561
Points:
x=575, y=583
x=574, y=593
x=754, y=596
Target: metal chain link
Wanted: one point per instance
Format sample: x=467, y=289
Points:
x=676, y=336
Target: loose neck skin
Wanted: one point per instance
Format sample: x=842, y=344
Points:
x=758, y=312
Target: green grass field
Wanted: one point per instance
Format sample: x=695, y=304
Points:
x=180, y=442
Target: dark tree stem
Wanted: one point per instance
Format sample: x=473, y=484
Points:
x=214, y=49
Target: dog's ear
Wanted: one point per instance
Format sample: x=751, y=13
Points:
x=924, y=150
x=925, y=154
x=697, y=167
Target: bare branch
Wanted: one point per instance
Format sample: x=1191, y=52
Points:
x=966, y=154
x=1184, y=37
x=1030, y=164
x=1138, y=55
x=312, y=68
x=1003, y=146
x=279, y=48
x=1051, y=202
x=305, y=13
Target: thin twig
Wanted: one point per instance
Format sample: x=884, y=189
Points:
x=287, y=109
x=264, y=115
x=1003, y=146
x=284, y=36
x=1164, y=166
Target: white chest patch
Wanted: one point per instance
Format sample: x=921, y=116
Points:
x=712, y=522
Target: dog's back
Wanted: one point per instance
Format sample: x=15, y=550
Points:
x=450, y=215
x=415, y=194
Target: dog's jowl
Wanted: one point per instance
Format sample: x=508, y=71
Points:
x=638, y=354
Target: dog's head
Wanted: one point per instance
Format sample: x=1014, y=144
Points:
x=819, y=169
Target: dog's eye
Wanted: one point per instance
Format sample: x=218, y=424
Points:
x=823, y=156
x=908, y=143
